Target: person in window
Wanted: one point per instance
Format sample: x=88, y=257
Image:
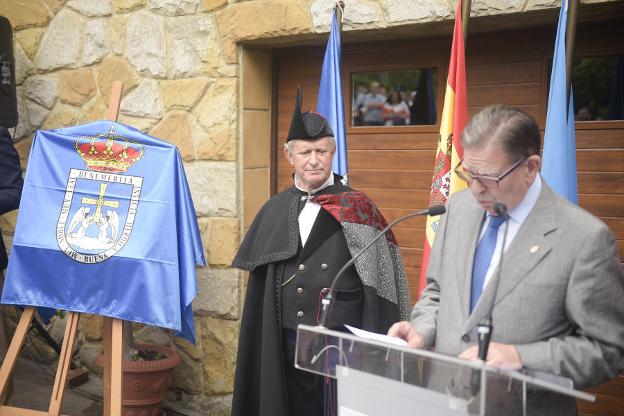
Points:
x=395, y=111
x=358, y=103
x=583, y=114
x=372, y=107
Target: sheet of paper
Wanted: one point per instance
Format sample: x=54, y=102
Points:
x=347, y=411
x=377, y=337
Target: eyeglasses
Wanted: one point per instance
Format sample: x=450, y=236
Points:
x=487, y=181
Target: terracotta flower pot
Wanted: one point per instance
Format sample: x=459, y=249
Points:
x=145, y=382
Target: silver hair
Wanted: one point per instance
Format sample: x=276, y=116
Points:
x=332, y=144
x=515, y=131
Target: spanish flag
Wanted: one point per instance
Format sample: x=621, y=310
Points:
x=449, y=152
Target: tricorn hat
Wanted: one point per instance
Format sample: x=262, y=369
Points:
x=309, y=125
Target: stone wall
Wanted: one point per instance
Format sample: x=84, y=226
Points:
x=180, y=64
x=179, y=87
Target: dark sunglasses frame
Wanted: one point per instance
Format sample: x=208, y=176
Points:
x=487, y=181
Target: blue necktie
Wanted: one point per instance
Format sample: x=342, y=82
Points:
x=483, y=257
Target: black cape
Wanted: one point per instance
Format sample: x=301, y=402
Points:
x=259, y=387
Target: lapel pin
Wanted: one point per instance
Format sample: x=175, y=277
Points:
x=534, y=249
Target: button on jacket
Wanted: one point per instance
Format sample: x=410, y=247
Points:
x=307, y=276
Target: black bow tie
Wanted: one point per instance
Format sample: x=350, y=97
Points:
x=303, y=198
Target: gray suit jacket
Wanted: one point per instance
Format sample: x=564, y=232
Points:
x=561, y=296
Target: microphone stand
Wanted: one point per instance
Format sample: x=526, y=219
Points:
x=326, y=302
x=486, y=326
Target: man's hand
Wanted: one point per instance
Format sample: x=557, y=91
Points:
x=499, y=355
x=406, y=331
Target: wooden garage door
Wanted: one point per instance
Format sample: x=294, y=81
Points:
x=394, y=164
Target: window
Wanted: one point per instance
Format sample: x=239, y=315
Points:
x=394, y=98
x=598, y=84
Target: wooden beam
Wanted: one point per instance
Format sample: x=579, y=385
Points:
x=18, y=411
x=115, y=101
x=112, y=328
x=10, y=359
x=62, y=370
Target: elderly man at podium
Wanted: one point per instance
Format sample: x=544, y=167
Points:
x=558, y=304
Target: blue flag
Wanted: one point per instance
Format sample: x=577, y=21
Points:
x=106, y=226
x=330, y=103
x=559, y=156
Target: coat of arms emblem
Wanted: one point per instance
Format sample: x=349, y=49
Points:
x=100, y=203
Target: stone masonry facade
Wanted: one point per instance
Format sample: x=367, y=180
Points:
x=180, y=64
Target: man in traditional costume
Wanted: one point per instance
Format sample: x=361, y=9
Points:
x=293, y=249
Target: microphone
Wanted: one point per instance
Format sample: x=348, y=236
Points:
x=485, y=327
x=326, y=302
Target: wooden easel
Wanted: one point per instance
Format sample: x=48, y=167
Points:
x=111, y=332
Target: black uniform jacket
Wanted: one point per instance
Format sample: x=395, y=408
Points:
x=282, y=271
x=10, y=182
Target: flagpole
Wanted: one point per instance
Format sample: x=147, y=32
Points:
x=112, y=328
x=330, y=102
x=339, y=10
x=329, y=389
x=570, y=41
x=466, y=5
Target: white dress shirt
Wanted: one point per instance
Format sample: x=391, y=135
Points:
x=517, y=215
x=310, y=210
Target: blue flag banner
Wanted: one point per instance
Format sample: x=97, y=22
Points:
x=559, y=155
x=330, y=103
x=106, y=226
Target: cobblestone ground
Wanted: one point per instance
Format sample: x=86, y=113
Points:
x=32, y=389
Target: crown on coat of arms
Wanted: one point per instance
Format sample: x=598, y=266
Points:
x=108, y=152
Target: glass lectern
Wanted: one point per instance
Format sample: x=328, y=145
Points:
x=377, y=378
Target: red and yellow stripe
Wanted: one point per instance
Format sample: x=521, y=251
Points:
x=450, y=151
